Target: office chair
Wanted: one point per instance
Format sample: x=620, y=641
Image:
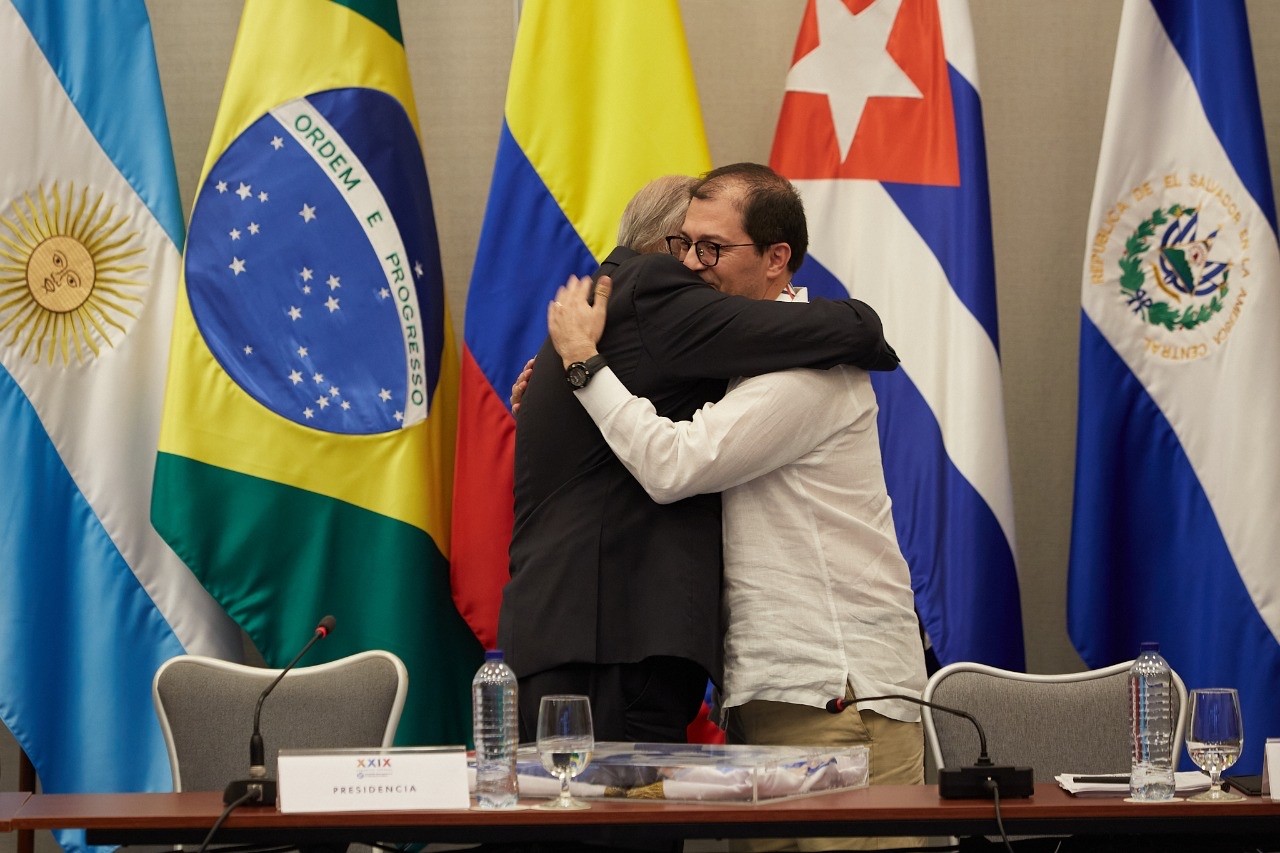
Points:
x=1071, y=723
x=206, y=710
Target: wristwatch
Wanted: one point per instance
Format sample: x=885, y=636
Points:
x=579, y=373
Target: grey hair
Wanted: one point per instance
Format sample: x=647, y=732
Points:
x=655, y=212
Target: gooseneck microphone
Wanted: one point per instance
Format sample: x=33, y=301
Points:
x=835, y=706
x=955, y=783
x=258, y=788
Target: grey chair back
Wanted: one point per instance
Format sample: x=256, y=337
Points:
x=206, y=711
x=1074, y=723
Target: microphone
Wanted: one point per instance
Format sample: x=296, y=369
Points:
x=978, y=780
x=258, y=787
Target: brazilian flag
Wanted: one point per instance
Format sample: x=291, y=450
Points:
x=306, y=451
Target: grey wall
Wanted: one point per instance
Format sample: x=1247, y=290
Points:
x=1045, y=69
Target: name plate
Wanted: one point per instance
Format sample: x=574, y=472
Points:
x=370, y=780
x=1271, y=769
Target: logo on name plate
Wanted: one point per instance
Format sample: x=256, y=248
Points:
x=1174, y=254
x=373, y=767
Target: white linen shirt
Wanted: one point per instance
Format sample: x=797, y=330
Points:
x=816, y=591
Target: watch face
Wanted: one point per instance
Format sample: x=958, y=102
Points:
x=577, y=375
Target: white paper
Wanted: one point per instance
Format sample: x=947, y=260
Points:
x=1270, y=765
x=1184, y=782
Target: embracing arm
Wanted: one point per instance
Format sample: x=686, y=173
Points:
x=693, y=331
x=760, y=425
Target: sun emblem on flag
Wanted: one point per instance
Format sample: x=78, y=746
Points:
x=69, y=275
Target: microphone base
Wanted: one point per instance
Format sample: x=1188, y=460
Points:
x=264, y=791
x=971, y=782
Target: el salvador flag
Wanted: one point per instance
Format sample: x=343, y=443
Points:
x=881, y=131
x=1175, y=534
x=90, y=225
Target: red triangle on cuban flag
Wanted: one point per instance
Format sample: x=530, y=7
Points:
x=868, y=96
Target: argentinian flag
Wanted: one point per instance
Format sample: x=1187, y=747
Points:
x=90, y=228
x=1175, y=535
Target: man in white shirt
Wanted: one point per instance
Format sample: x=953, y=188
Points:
x=817, y=596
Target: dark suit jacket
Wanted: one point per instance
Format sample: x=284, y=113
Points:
x=599, y=572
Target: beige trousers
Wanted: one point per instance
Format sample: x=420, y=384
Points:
x=897, y=756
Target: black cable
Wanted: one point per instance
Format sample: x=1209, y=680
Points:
x=994, y=787
x=244, y=798
x=226, y=848
x=928, y=848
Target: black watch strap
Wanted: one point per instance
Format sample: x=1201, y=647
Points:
x=579, y=373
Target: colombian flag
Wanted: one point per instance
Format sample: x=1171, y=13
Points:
x=881, y=131
x=601, y=100
x=306, y=451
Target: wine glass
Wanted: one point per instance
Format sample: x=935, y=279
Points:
x=565, y=741
x=1215, y=738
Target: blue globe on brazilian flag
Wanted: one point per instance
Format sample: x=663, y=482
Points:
x=306, y=451
x=307, y=242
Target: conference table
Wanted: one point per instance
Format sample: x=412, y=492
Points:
x=10, y=802
x=884, y=810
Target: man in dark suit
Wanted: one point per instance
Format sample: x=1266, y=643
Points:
x=611, y=594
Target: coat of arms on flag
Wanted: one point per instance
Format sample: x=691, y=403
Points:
x=1166, y=252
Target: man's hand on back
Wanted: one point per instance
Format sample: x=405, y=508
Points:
x=574, y=323
x=521, y=383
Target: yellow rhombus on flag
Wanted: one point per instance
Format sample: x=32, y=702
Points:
x=306, y=453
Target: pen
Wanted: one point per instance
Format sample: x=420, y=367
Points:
x=1114, y=780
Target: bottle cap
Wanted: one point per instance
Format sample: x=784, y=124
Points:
x=1145, y=647
x=496, y=654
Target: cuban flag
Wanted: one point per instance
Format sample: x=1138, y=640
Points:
x=881, y=131
x=583, y=130
x=91, y=227
x=1174, y=534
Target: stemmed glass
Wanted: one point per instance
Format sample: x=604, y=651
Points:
x=565, y=742
x=1215, y=738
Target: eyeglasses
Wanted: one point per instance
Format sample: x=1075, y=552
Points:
x=708, y=252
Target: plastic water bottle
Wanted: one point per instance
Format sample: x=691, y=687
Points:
x=1151, y=713
x=493, y=714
